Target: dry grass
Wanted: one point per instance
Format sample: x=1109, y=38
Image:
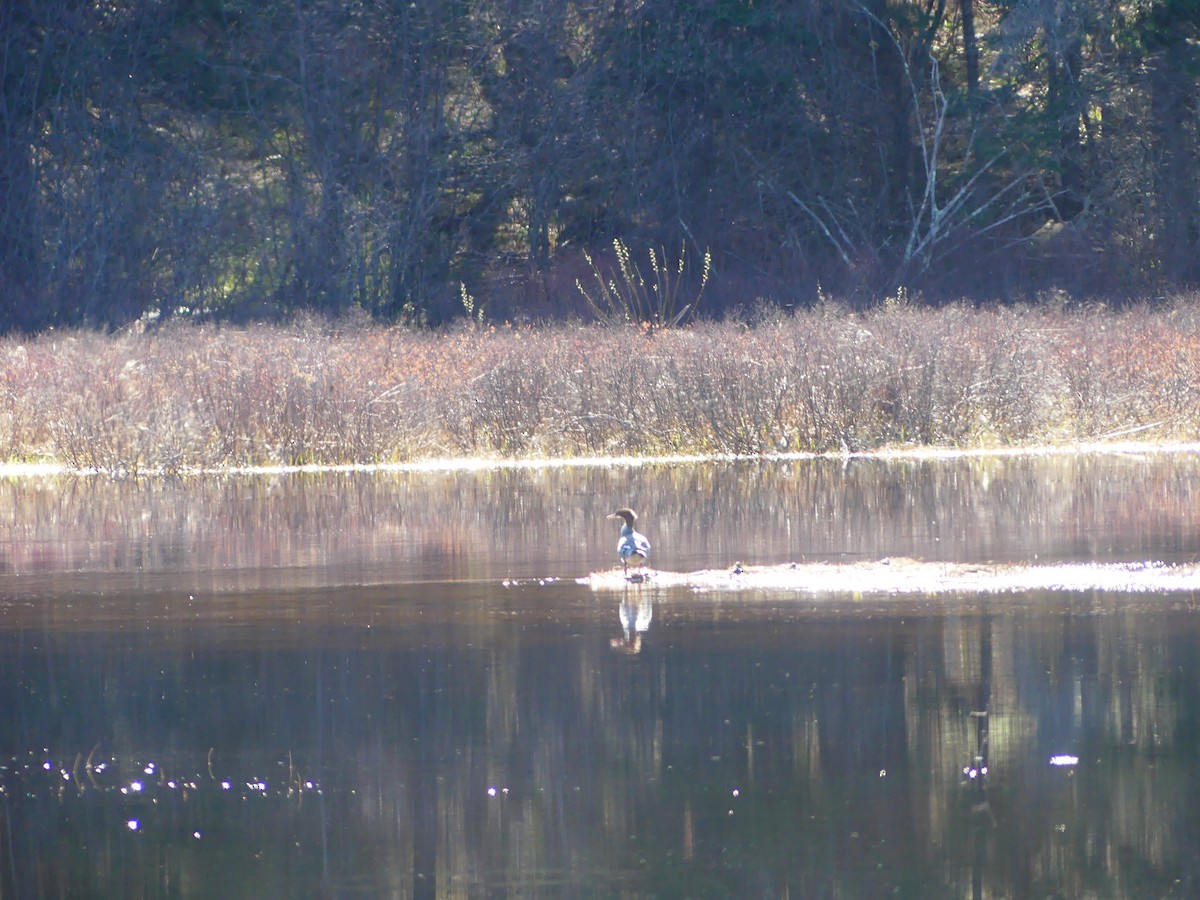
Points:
x=189, y=395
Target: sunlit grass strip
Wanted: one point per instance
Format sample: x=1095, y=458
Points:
x=189, y=397
x=483, y=464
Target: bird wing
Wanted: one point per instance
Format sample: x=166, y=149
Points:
x=634, y=542
x=640, y=542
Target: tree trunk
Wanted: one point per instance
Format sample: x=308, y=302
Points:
x=970, y=50
x=1064, y=62
x=1173, y=106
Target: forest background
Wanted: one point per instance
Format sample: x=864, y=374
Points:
x=226, y=224
x=249, y=159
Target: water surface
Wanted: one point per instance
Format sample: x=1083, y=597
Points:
x=393, y=685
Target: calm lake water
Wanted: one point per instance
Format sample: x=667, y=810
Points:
x=393, y=685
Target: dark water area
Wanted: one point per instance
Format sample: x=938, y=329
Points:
x=392, y=685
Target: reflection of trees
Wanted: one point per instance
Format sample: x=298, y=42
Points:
x=297, y=530
x=823, y=756
x=1092, y=687
x=843, y=737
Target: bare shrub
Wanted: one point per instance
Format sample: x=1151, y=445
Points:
x=1155, y=360
x=26, y=397
x=1083, y=360
x=495, y=403
x=1016, y=384
x=841, y=382
x=110, y=416
x=913, y=345
x=187, y=395
x=651, y=390
x=744, y=392
x=585, y=406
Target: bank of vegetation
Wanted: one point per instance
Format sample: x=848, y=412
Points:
x=184, y=395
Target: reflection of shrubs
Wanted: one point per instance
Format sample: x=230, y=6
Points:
x=185, y=396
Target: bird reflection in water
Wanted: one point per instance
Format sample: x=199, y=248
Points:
x=635, y=611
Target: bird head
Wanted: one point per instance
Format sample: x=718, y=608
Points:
x=627, y=514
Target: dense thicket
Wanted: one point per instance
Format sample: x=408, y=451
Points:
x=201, y=396
x=255, y=157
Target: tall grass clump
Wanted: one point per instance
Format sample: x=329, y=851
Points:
x=185, y=396
x=666, y=298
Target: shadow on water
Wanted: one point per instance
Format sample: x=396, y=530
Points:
x=391, y=685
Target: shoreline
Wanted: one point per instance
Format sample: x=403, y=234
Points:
x=907, y=577
x=483, y=464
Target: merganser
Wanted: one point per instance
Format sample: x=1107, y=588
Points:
x=632, y=546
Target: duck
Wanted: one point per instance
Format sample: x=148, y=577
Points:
x=632, y=546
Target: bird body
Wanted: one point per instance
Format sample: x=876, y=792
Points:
x=632, y=546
